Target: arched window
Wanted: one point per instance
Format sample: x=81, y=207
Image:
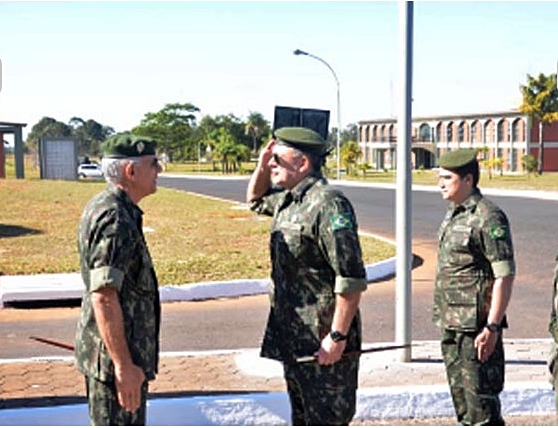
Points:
x=438, y=136
x=489, y=131
x=517, y=127
x=503, y=130
x=475, y=131
x=461, y=132
x=425, y=133
x=391, y=133
x=449, y=132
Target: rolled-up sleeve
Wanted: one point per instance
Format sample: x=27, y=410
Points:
x=340, y=242
x=498, y=246
x=106, y=276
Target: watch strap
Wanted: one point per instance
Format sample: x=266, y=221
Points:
x=493, y=327
x=337, y=336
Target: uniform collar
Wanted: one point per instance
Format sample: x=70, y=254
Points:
x=302, y=187
x=470, y=202
x=123, y=196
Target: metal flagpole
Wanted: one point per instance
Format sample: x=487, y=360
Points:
x=404, y=184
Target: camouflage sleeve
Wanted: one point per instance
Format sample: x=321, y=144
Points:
x=340, y=243
x=267, y=203
x=498, y=246
x=111, y=252
x=553, y=325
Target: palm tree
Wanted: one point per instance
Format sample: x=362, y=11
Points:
x=540, y=100
x=256, y=126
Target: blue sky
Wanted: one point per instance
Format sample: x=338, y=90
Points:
x=115, y=61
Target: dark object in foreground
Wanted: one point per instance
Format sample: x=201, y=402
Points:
x=311, y=358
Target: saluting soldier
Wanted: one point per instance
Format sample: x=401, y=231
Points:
x=317, y=277
x=474, y=279
x=117, y=338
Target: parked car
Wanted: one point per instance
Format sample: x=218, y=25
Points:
x=89, y=170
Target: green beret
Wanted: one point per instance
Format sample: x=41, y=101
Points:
x=303, y=139
x=128, y=146
x=458, y=158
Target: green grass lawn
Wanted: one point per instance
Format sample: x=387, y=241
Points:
x=191, y=238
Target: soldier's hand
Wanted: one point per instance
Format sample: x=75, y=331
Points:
x=129, y=380
x=485, y=343
x=266, y=153
x=330, y=352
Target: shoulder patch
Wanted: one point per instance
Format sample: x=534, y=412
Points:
x=498, y=232
x=341, y=221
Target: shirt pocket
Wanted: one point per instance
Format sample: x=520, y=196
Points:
x=292, y=238
x=457, y=245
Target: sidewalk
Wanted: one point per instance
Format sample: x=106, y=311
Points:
x=239, y=388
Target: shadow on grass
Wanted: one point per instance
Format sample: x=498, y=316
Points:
x=13, y=231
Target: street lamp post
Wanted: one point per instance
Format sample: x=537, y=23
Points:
x=299, y=52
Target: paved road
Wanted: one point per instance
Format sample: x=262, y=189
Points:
x=238, y=323
x=535, y=239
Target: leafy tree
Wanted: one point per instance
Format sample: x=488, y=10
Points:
x=350, y=133
x=256, y=127
x=46, y=127
x=226, y=150
x=350, y=154
x=529, y=163
x=89, y=135
x=498, y=164
x=174, y=128
x=540, y=100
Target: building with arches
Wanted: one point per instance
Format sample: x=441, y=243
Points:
x=508, y=135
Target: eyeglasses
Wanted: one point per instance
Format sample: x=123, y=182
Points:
x=277, y=159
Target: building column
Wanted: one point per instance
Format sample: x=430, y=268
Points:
x=18, y=152
x=2, y=157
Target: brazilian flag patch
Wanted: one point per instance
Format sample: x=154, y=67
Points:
x=498, y=232
x=341, y=221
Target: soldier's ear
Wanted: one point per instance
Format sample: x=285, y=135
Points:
x=129, y=169
x=305, y=163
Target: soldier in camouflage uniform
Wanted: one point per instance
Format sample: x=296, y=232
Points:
x=473, y=287
x=117, y=338
x=553, y=329
x=317, y=277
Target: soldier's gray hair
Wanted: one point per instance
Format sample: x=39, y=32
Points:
x=113, y=168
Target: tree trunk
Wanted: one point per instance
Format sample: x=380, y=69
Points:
x=541, y=149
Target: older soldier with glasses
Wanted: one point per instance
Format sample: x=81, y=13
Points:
x=317, y=274
x=117, y=338
x=473, y=287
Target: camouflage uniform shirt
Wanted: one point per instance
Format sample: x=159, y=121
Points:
x=474, y=248
x=113, y=253
x=315, y=253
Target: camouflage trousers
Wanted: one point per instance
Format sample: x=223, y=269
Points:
x=322, y=395
x=553, y=369
x=474, y=386
x=104, y=408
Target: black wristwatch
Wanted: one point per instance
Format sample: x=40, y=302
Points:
x=337, y=336
x=493, y=327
